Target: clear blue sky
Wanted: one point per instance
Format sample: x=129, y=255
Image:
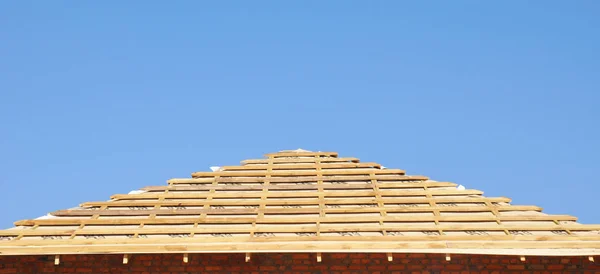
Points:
x=99, y=98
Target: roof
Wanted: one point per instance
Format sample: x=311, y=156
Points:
x=301, y=201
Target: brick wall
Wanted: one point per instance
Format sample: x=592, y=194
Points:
x=298, y=263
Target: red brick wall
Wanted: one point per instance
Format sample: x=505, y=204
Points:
x=298, y=263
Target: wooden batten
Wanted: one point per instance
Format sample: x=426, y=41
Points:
x=330, y=172
x=299, y=201
x=301, y=154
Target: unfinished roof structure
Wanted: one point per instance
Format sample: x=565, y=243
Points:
x=301, y=201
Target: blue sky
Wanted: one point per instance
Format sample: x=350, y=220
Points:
x=99, y=98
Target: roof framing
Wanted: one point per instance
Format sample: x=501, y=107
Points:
x=300, y=201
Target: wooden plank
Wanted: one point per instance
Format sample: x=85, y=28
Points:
x=304, y=228
x=321, y=198
x=209, y=198
x=300, y=160
x=282, y=194
x=157, y=206
x=302, y=166
x=380, y=203
x=301, y=154
x=294, y=201
x=200, y=187
x=558, y=223
x=21, y=236
x=430, y=209
x=296, y=173
x=341, y=240
x=496, y=214
x=74, y=232
x=77, y=212
x=375, y=247
x=301, y=179
x=265, y=191
x=291, y=219
x=436, y=213
x=528, y=245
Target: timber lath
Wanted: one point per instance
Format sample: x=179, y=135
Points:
x=293, y=201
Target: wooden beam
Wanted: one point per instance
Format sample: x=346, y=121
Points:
x=209, y=180
x=432, y=203
x=282, y=220
x=496, y=214
x=209, y=198
x=206, y=187
x=301, y=154
x=380, y=203
x=341, y=240
x=237, y=211
x=287, y=194
x=479, y=247
x=300, y=160
x=265, y=191
x=302, y=166
x=308, y=228
x=321, y=197
x=295, y=173
x=289, y=201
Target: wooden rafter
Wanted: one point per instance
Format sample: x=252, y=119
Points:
x=302, y=201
